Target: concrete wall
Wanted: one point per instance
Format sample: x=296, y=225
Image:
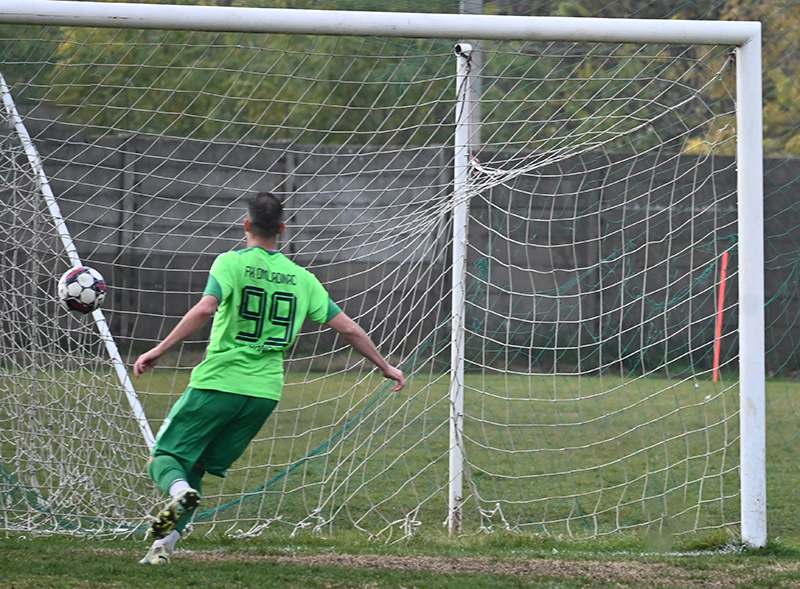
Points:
x=151, y=215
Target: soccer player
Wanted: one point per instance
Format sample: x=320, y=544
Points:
x=258, y=299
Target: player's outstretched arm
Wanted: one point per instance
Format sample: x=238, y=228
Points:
x=358, y=338
x=194, y=319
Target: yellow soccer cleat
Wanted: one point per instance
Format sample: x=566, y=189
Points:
x=168, y=518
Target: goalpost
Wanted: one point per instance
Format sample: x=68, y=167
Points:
x=550, y=291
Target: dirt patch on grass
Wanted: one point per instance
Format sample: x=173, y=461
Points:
x=629, y=573
x=530, y=568
x=622, y=573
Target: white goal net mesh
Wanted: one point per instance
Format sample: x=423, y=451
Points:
x=602, y=198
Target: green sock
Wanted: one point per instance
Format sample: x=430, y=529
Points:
x=164, y=470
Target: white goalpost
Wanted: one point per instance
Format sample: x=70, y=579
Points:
x=548, y=276
x=43, y=186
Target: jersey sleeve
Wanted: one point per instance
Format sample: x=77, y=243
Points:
x=333, y=310
x=220, y=282
x=321, y=308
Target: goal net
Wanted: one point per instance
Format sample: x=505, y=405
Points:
x=599, y=370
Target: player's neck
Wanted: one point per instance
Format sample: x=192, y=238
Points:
x=267, y=243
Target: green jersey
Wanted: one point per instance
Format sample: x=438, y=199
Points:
x=264, y=299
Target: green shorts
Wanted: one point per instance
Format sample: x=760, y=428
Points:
x=211, y=428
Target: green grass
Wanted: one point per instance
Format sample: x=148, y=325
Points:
x=683, y=434
x=635, y=450
x=545, y=413
x=435, y=561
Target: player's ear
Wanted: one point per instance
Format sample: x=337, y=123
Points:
x=247, y=225
x=282, y=228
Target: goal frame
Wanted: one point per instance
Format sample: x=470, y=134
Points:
x=745, y=37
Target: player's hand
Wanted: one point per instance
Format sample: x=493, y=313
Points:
x=145, y=362
x=397, y=375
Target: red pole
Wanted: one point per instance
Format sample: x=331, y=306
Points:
x=723, y=274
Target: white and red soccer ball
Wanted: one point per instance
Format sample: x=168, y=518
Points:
x=81, y=290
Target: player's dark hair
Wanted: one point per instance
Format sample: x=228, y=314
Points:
x=265, y=212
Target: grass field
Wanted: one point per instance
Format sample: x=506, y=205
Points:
x=614, y=452
x=703, y=413
x=436, y=562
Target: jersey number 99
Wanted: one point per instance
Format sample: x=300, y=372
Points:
x=276, y=311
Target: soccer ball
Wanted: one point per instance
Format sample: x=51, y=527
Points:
x=81, y=290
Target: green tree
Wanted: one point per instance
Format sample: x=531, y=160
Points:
x=27, y=55
x=781, y=59
x=257, y=87
x=341, y=89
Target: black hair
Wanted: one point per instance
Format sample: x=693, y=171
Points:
x=265, y=212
